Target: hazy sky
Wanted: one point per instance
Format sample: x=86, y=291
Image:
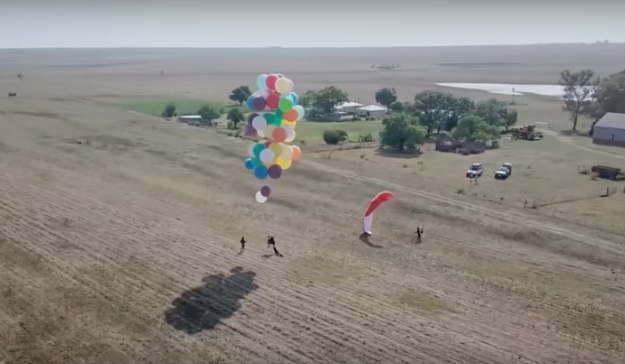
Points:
x=305, y=23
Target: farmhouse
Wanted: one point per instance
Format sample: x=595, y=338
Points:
x=348, y=107
x=189, y=119
x=373, y=111
x=610, y=130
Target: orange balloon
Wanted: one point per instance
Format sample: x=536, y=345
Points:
x=291, y=115
x=296, y=153
x=279, y=135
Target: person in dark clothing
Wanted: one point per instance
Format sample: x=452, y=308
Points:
x=243, y=241
x=272, y=242
x=419, y=234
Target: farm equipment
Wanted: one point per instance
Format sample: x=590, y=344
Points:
x=526, y=132
x=607, y=172
x=12, y=94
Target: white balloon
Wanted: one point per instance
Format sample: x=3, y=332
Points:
x=260, y=198
x=260, y=133
x=259, y=123
x=267, y=156
x=286, y=152
x=290, y=133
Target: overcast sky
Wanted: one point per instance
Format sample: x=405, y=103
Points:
x=305, y=23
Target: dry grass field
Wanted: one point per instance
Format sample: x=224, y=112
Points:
x=119, y=231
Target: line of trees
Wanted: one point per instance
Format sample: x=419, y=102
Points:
x=590, y=96
x=209, y=114
x=437, y=111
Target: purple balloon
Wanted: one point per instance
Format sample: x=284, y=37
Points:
x=259, y=103
x=250, y=131
x=265, y=191
x=275, y=171
x=251, y=117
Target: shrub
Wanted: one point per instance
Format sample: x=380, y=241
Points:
x=334, y=137
x=363, y=138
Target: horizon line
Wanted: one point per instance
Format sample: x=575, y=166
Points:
x=318, y=47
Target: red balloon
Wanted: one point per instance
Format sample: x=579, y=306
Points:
x=273, y=99
x=267, y=144
x=290, y=115
x=271, y=82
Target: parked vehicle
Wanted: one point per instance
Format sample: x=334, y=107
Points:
x=504, y=171
x=476, y=170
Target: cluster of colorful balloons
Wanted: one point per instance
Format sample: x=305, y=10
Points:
x=275, y=114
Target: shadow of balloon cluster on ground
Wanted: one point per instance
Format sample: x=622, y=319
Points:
x=204, y=307
x=365, y=239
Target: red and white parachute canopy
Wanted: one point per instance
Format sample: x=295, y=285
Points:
x=379, y=199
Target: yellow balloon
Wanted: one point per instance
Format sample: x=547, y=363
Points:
x=276, y=148
x=286, y=152
x=292, y=124
x=283, y=163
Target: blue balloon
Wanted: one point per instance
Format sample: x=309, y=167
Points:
x=249, y=164
x=295, y=98
x=250, y=102
x=261, y=172
x=261, y=82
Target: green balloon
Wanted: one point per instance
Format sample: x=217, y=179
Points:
x=256, y=162
x=285, y=104
x=270, y=118
x=258, y=148
x=279, y=115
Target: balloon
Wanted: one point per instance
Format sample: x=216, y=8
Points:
x=300, y=111
x=250, y=102
x=267, y=156
x=249, y=130
x=267, y=144
x=295, y=98
x=275, y=171
x=285, y=105
x=259, y=122
x=279, y=116
x=283, y=163
x=261, y=82
x=296, y=152
x=291, y=115
x=251, y=117
x=265, y=191
x=249, y=164
x=273, y=99
x=259, y=104
x=269, y=131
x=276, y=148
x=261, y=172
x=260, y=198
x=258, y=148
x=286, y=152
x=260, y=133
x=279, y=135
x=256, y=162
x=271, y=82
x=270, y=118
x=284, y=85
x=290, y=133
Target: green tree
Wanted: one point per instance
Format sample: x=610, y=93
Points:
x=608, y=96
x=328, y=98
x=492, y=111
x=402, y=132
x=209, y=114
x=170, y=110
x=235, y=116
x=512, y=116
x=460, y=107
x=334, y=136
x=307, y=99
x=386, y=97
x=432, y=108
x=397, y=106
x=475, y=128
x=240, y=94
x=578, y=88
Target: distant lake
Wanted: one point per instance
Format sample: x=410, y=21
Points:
x=506, y=89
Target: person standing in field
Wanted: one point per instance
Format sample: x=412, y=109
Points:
x=272, y=242
x=419, y=234
x=243, y=241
